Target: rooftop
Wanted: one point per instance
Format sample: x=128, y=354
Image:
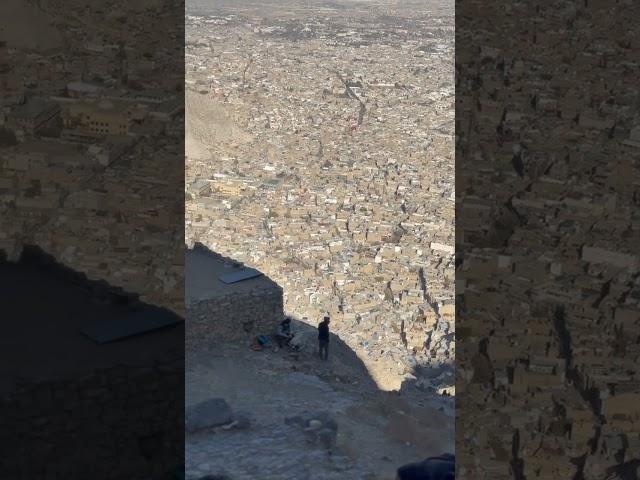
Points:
x=83, y=87
x=33, y=108
x=204, y=270
x=61, y=325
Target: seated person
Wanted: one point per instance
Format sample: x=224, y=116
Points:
x=284, y=334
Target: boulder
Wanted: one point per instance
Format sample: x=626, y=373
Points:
x=321, y=419
x=314, y=425
x=243, y=421
x=295, y=421
x=210, y=413
x=319, y=428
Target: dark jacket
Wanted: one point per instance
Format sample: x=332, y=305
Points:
x=434, y=468
x=284, y=330
x=323, y=331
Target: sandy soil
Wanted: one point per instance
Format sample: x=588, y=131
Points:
x=29, y=28
x=209, y=122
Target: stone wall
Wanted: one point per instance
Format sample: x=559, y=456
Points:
x=131, y=418
x=236, y=317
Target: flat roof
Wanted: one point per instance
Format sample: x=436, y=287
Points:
x=47, y=309
x=33, y=108
x=83, y=87
x=48, y=147
x=206, y=273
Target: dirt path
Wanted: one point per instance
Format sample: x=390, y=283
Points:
x=266, y=386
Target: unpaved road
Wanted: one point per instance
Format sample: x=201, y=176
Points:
x=378, y=431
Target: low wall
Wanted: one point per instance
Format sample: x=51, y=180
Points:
x=236, y=317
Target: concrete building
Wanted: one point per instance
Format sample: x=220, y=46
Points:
x=33, y=116
x=104, y=117
x=82, y=89
x=235, y=311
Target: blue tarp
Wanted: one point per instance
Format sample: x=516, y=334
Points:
x=152, y=319
x=244, y=274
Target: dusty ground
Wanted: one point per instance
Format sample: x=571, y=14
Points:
x=209, y=122
x=378, y=431
x=29, y=28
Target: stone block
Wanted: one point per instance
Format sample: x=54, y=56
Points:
x=207, y=414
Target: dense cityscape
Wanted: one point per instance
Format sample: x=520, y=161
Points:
x=547, y=223
x=91, y=143
x=319, y=140
x=320, y=150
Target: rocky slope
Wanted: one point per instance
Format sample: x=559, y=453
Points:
x=376, y=431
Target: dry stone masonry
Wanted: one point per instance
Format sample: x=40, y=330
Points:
x=217, y=312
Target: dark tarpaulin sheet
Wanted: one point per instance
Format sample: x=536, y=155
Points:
x=245, y=274
x=105, y=331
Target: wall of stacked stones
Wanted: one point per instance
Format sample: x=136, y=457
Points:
x=129, y=418
x=238, y=317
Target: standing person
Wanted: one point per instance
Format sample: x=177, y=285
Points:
x=323, y=338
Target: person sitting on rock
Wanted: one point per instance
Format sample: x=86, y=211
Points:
x=284, y=334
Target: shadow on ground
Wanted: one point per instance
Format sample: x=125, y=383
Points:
x=378, y=431
x=105, y=406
